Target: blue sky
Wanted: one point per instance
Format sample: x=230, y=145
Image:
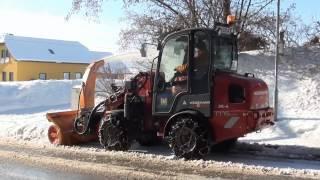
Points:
x=44, y=18
x=306, y=9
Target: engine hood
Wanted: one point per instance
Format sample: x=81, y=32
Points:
x=248, y=90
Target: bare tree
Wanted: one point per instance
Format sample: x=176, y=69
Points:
x=264, y=26
x=151, y=20
x=312, y=33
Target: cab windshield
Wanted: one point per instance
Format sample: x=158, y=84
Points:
x=225, y=54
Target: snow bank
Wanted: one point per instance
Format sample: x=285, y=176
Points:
x=24, y=106
x=28, y=97
x=27, y=127
x=299, y=95
x=299, y=77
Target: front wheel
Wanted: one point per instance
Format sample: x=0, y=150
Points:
x=188, y=138
x=113, y=136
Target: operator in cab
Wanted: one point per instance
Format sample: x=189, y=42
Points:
x=200, y=63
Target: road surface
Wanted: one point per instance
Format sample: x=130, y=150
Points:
x=28, y=161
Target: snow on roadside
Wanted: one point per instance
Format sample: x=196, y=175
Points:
x=299, y=96
x=26, y=97
x=299, y=87
x=25, y=104
x=25, y=127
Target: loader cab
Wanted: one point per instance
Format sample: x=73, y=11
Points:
x=185, y=71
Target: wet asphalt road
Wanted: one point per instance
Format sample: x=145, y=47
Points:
x=11, y=169
x=17, y=162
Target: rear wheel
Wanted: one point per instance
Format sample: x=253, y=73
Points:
x=188, y=138
x=112, y=135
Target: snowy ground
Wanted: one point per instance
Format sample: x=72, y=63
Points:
x=24, y=104
x=299, y=95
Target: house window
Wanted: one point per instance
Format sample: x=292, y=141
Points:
x=4, y=56
x=11, y=76
x=51, y=51
x=7, y=56
x=66, y=75
x=2, y=60
x=4, y=76
x=43, y=76
x=78, y=75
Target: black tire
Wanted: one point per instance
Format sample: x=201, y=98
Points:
x=111, y=136
x=188, y=138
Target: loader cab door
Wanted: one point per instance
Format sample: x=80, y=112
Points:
x=183, y=74
x=173, y=54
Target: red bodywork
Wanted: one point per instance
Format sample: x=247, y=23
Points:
x=231, y=120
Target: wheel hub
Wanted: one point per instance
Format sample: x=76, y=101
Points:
x=186, y=139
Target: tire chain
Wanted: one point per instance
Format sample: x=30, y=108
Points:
x=117, y=140
x=201, y=146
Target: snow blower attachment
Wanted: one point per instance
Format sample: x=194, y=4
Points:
x=194, y=100
x=66, y=128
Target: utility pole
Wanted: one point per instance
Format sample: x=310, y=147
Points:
x=275, y=101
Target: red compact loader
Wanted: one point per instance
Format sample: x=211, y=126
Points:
x=190, y=103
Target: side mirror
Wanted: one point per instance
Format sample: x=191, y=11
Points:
x=143, y=51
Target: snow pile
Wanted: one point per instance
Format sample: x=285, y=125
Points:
x=28, y=127
x=294, y=132
x=24, y=106
x=26, y=97
x=299, y=95
x=299, y=77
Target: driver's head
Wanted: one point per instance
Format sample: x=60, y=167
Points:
x=199, y=49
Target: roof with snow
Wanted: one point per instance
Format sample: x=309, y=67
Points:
x=50, y=50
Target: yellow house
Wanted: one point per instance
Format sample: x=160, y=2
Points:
x=26, y=58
